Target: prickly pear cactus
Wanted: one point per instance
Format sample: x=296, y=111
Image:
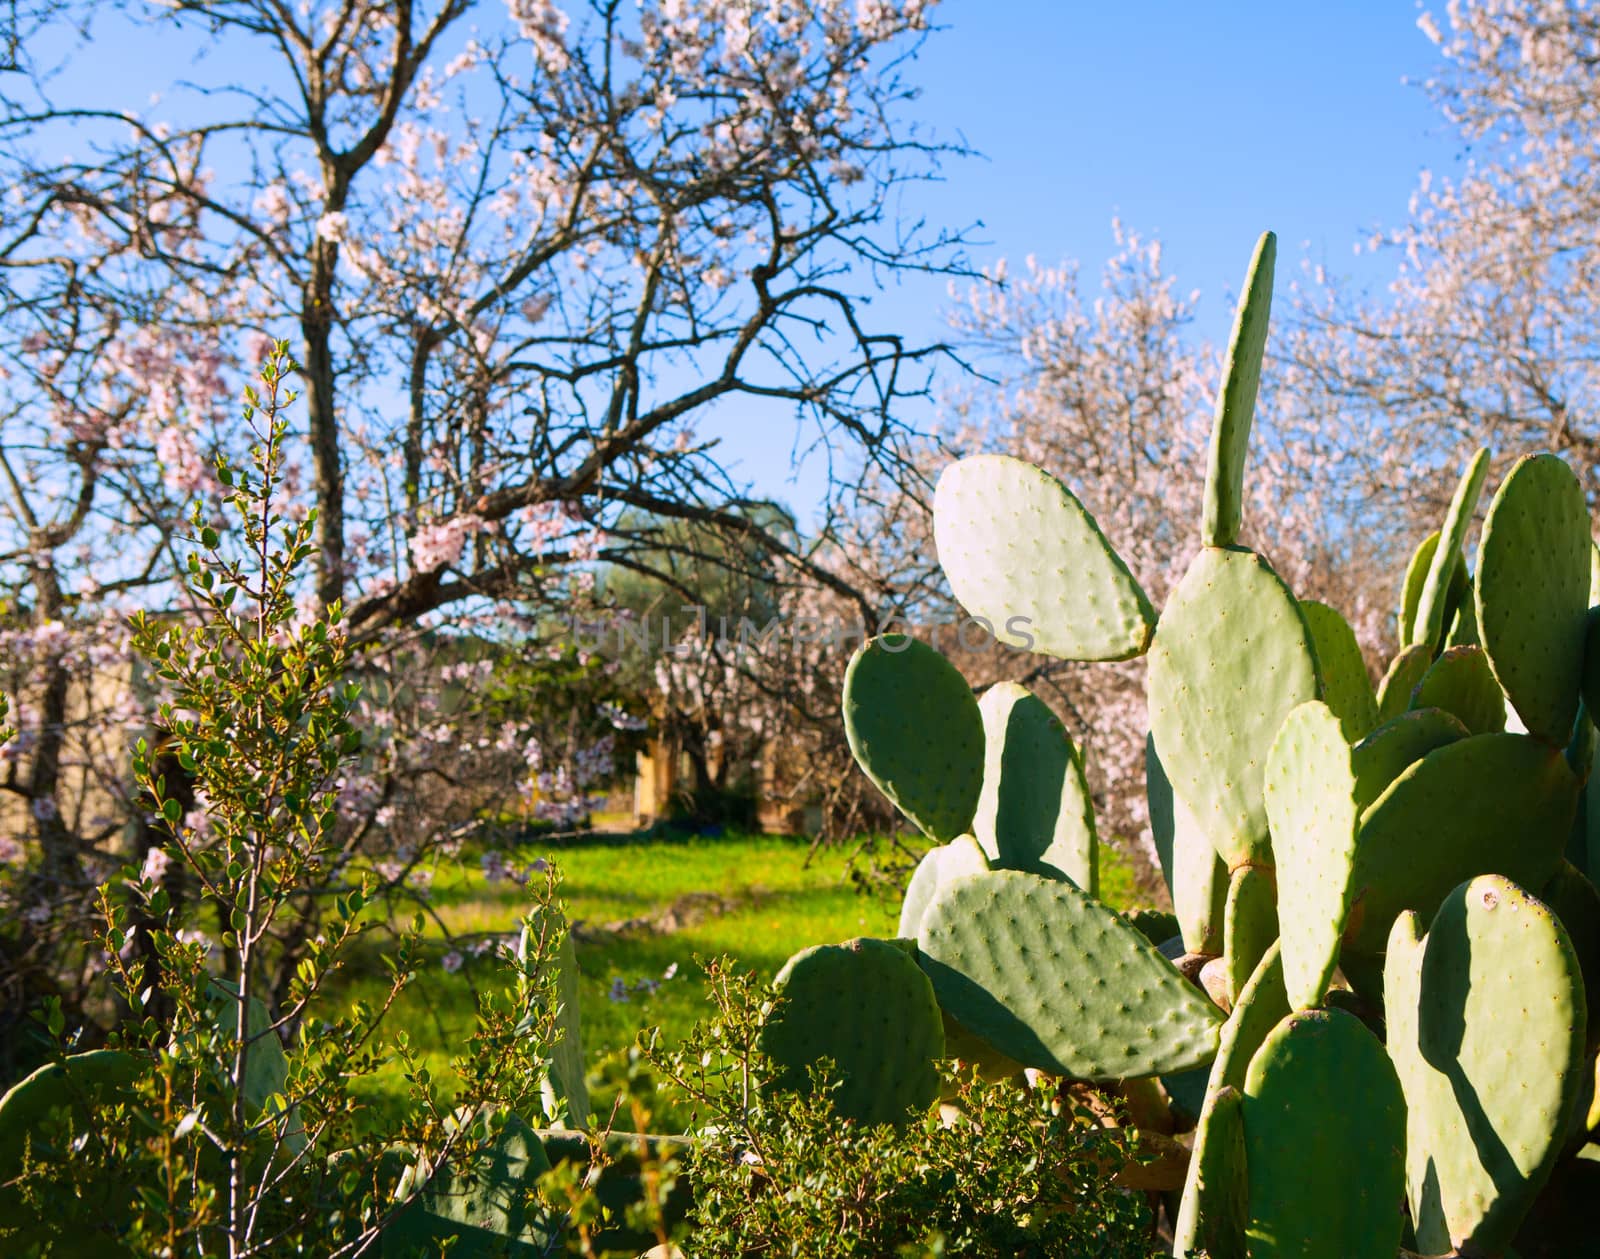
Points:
x=867, y=1007
x=1484, y=1118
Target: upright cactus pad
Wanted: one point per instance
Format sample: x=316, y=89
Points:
x=1460, y=682
x=957, y=859
x=1575, y=901
x=1485, y=1020
x=1034, y=808
x=1324, y=1135
x=1402, y=741
x=867, y=1006
x=1236, y=401
x=1311, y=801
x=1231, y=657
x=1250, y=924
x=1411, y=589
x=567, y=1094
x=1259, y=1009
x=1533, y=592
x=1023, y=553
x=915, y=730
x=1406, y=670
x=1055, y=980
x=1434, y=599
x=1196, y=879
x=1448, y=818
x=1346, y=688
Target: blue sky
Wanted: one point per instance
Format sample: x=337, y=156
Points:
x=1201, y=124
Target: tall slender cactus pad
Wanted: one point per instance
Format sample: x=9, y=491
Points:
x=1460, y=682
x=1434, y=598
x=1485, y=1020
x=1023, y=553
x=1035, y=807
x=566, y=1093
x=1250, y=924
x=1411, y=589
x=915, y=730
x=1052, y=978
x=1575, y=901
x=867, y=1006
x=1406, y=670
x=1533, y=592
x=1311, y=801
x=956, y=860
x=1259, y=1009
x=1196, y=879
x=1384, y=754
x=1346, y=687
x=1447, y=819
x=1324, y=1132
x=1231, y=657
x=1236, y=400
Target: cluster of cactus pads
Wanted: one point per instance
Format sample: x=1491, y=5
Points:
x=1374, y=1002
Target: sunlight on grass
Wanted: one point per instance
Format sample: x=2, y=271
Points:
x=754, y=898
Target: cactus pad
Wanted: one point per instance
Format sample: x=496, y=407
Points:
x=1485, y=1019
x=1384, y=754
x=1346, y=688
x=481, y=1211
x=1434, y=600
x=1591, y=660
x=1236, y=401
x=1447, y=819
x=1406, y=670
x=1034, y=807
x=1460, y=682
x=1231, y=657
x=1411, y=588
x=960, y=857
x=566, y=1093
x=1025, y=556
x=1250, y=924
x=1196, y=879
x=1324, y=1133
x=866, y=1005
x=1576, y=903
x=915, y=730
x=1533, y=592
x=1311, y=801
x=1260, y=1007
x=1052, y=978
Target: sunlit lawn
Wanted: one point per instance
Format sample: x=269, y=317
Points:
x=771, y=902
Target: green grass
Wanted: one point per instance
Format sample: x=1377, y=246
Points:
x=769, y=902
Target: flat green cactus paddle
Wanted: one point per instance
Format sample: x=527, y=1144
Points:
x=1533, y=592
x=957, y=859
x=1434, y=598
x=1485, y=1020
x=1384, y=754
x=915, y=730
x=866, y=1005
x=1025, y=556
x=1346, y=688
x=1231, y=657
x=566, y=1095
x=1411, y=590
x=481, y=1212
x=1324, y=1136
x=1034, y=808
x=1406, y=670
x=1460, y=682
x=1221, y=1182
x=1311, y=801
x=1575, y=901
x=1236, y=401
x=1259, y=1009
x=1052, y=978
x=1591, y=660
x=1447, y=819
x=1250, y=924
x=1196, y=879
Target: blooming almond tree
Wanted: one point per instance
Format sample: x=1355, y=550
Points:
x=520, y=252
x=1490, y=328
